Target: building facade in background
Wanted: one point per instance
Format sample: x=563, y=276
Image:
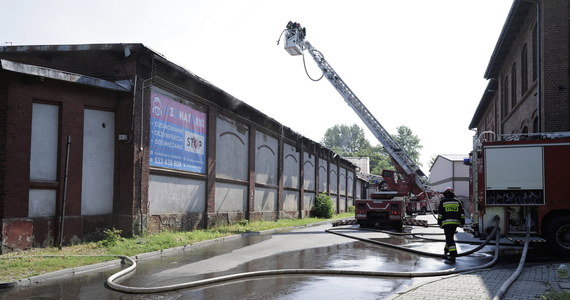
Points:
x=528, y=73
x=448, y=170
x=115, y=135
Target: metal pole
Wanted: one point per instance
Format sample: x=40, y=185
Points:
x=62, y=216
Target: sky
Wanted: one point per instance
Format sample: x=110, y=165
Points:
x=415, y=63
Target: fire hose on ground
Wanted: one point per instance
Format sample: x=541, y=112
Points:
x=503, y=289
x=493, y=234
x=112, y=281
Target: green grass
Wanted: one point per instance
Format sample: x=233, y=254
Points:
x=556, y=295
x=19, y=265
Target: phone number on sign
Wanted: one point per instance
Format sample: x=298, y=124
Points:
x=167, y=162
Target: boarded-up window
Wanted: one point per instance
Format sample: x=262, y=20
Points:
x=43, y=158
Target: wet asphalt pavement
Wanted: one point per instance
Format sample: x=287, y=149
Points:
x=305, y=248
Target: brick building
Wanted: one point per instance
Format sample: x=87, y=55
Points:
x=528, y=73
x=115, y=135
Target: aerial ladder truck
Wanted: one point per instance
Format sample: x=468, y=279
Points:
x=387, y=200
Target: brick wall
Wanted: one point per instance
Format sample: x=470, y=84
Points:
x=554, y=93
x=556, y=82
x=18, y=93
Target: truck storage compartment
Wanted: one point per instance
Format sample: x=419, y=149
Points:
x=514, y=176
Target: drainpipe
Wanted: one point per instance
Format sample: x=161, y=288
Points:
x=539, y=63
x=144, y=85
x=62, y=216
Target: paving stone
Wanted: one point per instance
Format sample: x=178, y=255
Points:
x=532, y=283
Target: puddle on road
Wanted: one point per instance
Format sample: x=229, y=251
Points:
x=193, y=255
x=349, y=256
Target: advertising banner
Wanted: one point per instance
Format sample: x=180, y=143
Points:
x=177, y=135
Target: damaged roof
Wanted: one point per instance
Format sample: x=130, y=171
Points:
x=60, y=75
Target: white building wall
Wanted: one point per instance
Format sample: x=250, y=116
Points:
x=461, y=182
x=173, y=195
x=447, y=173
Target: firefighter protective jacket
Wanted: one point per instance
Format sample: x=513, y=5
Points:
x=450, y=211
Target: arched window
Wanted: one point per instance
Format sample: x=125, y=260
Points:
x=524, y=127
x=535, y=125
x=505, y=96
x=534, y=54
x=514, y=85
x=524, y=70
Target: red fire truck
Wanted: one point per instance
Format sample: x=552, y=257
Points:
x=514, y=176
x=389, y=201
x=423, y=203
x=380, y=207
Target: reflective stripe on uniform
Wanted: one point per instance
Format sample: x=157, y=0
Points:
x=451, y=222
x=449, y=207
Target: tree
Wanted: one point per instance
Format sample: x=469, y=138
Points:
x=349, y=141
x=379, y=159
x=409, y=143
x=345, y=139
x=432, y=160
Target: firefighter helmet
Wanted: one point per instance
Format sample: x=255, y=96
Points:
x=448, y=192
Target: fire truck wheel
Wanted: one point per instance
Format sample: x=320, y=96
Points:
x=423, y=210
x=558, y=235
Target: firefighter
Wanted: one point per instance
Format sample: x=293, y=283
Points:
x=450, y=216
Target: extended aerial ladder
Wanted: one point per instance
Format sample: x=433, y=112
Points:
x=295, y=44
